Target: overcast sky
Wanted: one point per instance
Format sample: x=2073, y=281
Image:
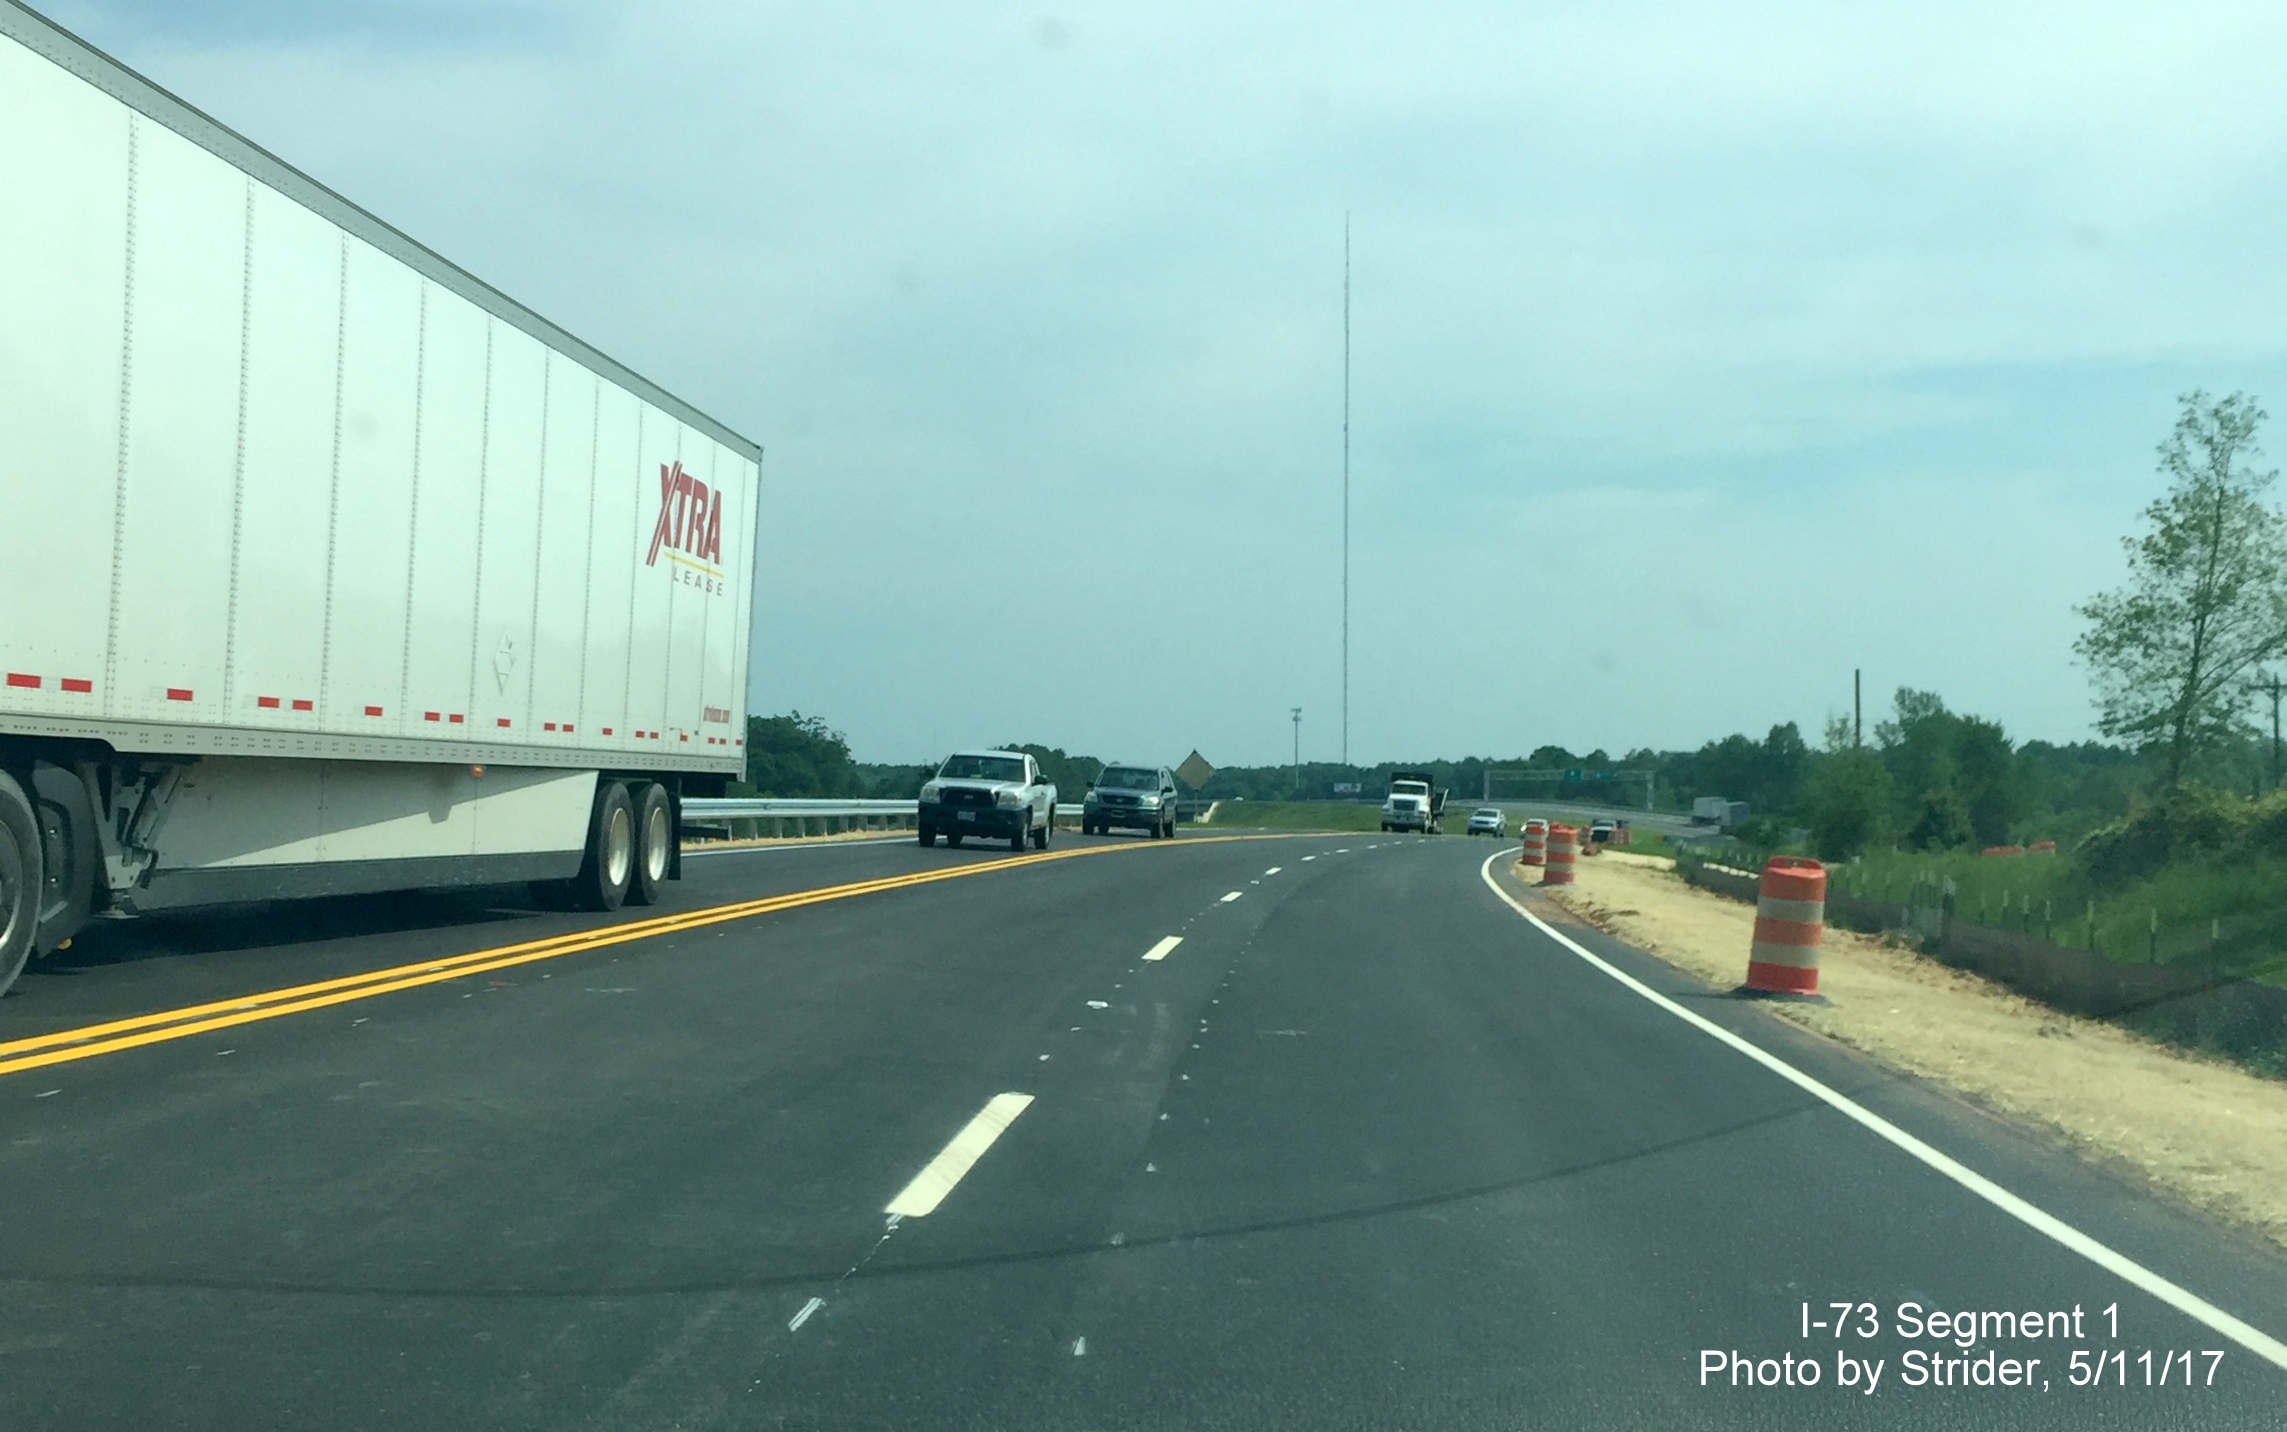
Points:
x=1701, y=353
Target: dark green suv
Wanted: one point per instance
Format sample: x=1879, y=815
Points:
x=1138, y=797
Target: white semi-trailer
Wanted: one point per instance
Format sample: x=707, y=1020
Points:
x=324, y=567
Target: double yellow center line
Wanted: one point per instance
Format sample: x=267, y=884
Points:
x=88, y=1041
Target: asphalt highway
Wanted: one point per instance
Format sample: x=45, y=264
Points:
x=1305, y=1132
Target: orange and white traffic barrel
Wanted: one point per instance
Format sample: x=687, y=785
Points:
x=1790, y=918
x=1536, y=843
x=1563, y=850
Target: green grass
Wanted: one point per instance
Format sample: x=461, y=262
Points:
x=1300, y=815
x=2225, y=910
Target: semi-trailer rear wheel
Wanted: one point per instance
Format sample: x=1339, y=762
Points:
x=21, y=879
x=609, y=865
x=655, y=842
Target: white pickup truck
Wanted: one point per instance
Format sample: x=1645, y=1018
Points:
x=1001, y=794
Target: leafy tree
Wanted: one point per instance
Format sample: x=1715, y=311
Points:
x=1941, y=821
x=1959, y=772
x=1846, y=798
x=1766, y=774
x=892, y=782
x=2206, y=597
x=796, y=755
x=1992, y=792
x=1917, y=743
x=1071, y=775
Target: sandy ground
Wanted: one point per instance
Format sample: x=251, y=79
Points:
x=2207, y=1132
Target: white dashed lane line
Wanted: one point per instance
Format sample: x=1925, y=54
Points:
x=1274, y=870
x=929, y=1187
x=1233, y=896
x=1164, y=948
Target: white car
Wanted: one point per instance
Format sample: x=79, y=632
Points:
x=1489, y=820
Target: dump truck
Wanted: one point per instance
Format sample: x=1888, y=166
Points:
x=1414, y=803
x=332, y=569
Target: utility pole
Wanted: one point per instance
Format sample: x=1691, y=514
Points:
x=1345, y=487
x=2270, y=686
x=1298, y=751
x=1857, y=711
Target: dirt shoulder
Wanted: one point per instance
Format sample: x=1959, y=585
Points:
x=2207, y=1132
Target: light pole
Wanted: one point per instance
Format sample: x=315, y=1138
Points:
x=1297, y=751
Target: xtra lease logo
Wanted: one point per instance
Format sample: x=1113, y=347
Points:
x=689, y=529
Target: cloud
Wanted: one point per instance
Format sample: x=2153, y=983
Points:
x=1685, y=336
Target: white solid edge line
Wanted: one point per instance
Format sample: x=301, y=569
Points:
x=929, y=1187
x=1164, y=948
x=2182, y=1300
x=1233, y=896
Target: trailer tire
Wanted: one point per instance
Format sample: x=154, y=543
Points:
x=21, y=879
x=608, y=866
x=654, y=842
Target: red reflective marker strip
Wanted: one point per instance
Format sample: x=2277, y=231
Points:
x=432, y=716
x=18, y=678
x=300, y=705
x=73, y=683
x=503, y=721
x=373, y=711
x=267, y=703
x=454, y=719
x=177, y=693
x=607, y=730
x=547, y=725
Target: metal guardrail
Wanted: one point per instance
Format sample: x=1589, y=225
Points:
x=722, y=810
x=766, y=807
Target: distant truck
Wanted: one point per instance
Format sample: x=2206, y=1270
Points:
x=1717, y=811
x=999, y=794
x=330, y=569
x=1414, y=803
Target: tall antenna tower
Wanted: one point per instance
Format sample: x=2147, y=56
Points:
x=1345, y=487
